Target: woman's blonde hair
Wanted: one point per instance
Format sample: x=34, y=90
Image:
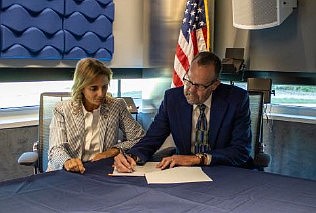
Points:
x=87, y=69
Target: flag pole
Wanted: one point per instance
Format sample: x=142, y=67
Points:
x=207, y=25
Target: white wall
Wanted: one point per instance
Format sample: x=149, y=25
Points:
x=288, y=47
x=128, y=34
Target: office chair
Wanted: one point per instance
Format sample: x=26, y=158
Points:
x=262, y=85
x=39, y=157
x=260, y=159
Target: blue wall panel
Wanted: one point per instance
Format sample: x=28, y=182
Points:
x=32, y=29
x=93, y=36
x=57, y=29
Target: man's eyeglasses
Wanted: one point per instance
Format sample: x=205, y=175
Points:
x=199, y=87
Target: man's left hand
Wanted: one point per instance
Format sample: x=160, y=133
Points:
x=178, y=160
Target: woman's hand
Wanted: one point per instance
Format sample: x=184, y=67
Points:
x=74, y=165
x=106, y=154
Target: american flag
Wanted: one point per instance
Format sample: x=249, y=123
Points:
x=193, y=38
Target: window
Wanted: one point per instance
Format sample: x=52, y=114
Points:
x=27, y=94
x=19, y=97
x=289, y=95
x=23, y=94
x=147, y=93
x=290, y=102
x=294, y=95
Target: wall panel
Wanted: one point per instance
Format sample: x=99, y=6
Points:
x=57, y=29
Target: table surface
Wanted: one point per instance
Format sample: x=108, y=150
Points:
x=232, y=190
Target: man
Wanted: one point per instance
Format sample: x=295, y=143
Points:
x=225, y=136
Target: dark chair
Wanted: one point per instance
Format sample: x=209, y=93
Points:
x=39, y=157
x=260, y=159
x=262, y=85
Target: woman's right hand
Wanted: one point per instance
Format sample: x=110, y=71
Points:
x=106, y=154
x=74, y=165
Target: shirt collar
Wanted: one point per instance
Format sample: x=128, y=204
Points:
x=207, y=103
x=85, y=112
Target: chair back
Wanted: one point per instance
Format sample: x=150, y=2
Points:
x=262, y=85
x=256, y=107
x=48, y=101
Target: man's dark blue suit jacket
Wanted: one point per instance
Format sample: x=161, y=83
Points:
x=229, y=135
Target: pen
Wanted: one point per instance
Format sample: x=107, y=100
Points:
x=125, y=155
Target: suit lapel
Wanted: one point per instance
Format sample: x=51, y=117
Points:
x=218, y=111
x=104, y=114
x=77, y=113
x=186, y=123
x=78, y=118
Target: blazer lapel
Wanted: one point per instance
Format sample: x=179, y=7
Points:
x=218, y=110
x=104, y=114
x=186, y=123
x=77, y=113
x=78, y=117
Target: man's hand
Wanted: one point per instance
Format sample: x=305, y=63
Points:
x=178, y=160
x=74, y=165
x=106, y=154
x=124, y=163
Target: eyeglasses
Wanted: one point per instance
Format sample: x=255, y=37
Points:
x=199, y=87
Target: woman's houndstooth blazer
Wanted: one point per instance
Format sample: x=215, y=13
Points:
x=67, y=133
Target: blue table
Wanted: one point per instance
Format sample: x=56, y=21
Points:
x=232, y=190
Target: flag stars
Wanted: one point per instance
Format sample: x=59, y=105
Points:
x=194, y=17
x=201, y=23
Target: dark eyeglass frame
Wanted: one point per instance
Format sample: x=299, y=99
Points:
x=200, y=87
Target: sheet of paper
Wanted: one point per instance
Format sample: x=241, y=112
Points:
x=177, y=175
x=139, y=170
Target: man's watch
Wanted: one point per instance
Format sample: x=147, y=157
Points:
x=201, y=157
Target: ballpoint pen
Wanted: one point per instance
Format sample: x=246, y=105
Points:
x=125, y=155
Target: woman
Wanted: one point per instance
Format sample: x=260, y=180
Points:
x=86, y=127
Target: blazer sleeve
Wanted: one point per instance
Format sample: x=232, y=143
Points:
x=155, y=136
x=57, y=140
x=131, y=129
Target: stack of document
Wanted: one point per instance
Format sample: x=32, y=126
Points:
x=180, y=174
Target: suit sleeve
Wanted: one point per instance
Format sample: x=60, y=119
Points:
x=57, y=141
x=155, y=136
x=131, y=129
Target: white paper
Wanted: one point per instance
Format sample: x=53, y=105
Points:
x=139, y=170
x=177, y=175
